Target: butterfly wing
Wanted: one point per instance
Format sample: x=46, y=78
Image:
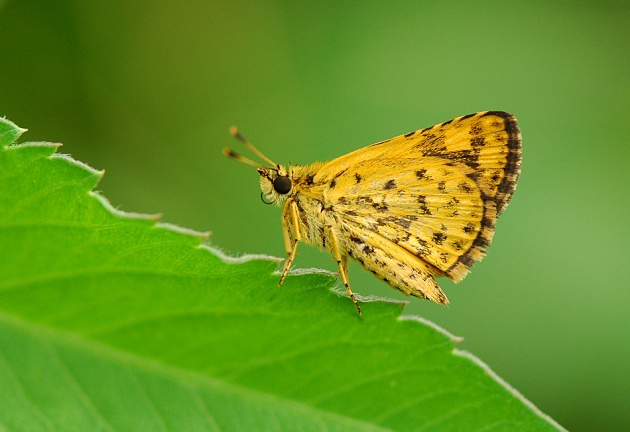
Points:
x=427, y=200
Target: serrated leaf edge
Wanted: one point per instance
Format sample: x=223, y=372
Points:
x=252, y=257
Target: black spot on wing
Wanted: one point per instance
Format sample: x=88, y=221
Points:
x=464, y=187
x=457, y=245
x=391, y=184
x=469, y=228
x=422, y=200
x=380, y=207
x=476, y=129
x=469, y=157
x=438, y=238
x=432, y=145
x=404, y=222
x=356, y=240
x=477, y=142
x=453, y=202
x=368, y=250
x=422, y=175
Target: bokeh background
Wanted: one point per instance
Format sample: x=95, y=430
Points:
x=147, y=90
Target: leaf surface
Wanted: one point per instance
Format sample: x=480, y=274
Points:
x=112, y=321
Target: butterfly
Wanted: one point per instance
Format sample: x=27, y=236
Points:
x=408, y=209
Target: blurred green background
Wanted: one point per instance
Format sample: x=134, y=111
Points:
x=148, y=89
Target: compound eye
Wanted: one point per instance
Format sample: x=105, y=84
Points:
x=282, y=184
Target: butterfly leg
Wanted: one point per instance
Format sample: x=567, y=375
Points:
x=342, y=263
x=291, y=234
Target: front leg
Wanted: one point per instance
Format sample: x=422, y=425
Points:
x=342, y=263
x=291, y=234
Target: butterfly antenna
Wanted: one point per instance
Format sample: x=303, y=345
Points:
x=231, y=153
x=234, y=131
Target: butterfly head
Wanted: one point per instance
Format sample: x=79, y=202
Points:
x=275, y=184
x=275, y=180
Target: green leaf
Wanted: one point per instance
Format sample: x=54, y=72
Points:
x=112, y=321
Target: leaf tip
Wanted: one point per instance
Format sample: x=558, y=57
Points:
x=9, y=132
